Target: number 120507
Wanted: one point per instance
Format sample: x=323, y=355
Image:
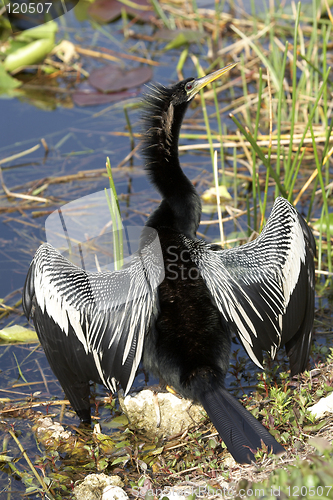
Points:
x=302, y=491
x=28, y=8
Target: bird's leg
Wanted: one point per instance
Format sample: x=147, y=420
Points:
x=84, y=416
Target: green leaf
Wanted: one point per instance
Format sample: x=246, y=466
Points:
x=118, y=421
x=158, y=451
x=105, y=439
x=14, y=45
x=17, y=333
x=121, y=444
x=120, y=460
x=31, y=489
x=186, y=36
x=44, y=31
x=7, y=82
x=322, y=223
x=141, y=481
x=314, y=427
x=29, y=54
x=102, y=464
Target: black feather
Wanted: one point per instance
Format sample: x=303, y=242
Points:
x=72, y=366
x=240, y=431
x=28, y=292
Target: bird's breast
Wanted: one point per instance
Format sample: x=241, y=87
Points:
x=188, y=332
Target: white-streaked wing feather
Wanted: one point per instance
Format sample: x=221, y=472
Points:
x=252, y=285
x=109, y=312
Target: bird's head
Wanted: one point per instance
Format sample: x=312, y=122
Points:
x=163, y=114
x=186, y=90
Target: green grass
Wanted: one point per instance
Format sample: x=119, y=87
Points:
x=117, y=227
x=287, y=105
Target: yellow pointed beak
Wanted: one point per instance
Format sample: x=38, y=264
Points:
x=200, y=83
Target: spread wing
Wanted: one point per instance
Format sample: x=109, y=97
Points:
x=109, y=312
x=265, y=288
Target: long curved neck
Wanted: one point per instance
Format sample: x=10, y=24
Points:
x=180, y=208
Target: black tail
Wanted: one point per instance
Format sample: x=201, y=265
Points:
x=240, y=431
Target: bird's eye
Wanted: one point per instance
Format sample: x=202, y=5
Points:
x=189, y=86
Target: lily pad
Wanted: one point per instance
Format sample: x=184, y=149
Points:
x=110, y=10
x=17, y=333
x=112, y=79
x=92, y=98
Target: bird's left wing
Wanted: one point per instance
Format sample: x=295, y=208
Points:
x=265, y=289
x=109, y=312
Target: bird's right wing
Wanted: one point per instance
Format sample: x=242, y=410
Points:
x=264, y=289
x=109, y=312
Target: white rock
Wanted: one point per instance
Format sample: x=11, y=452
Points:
x=164, y=414
x=55, y=430
x=114, y=493
x=94, y=485
x=324, y=405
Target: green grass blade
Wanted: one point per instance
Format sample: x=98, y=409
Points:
x=260, y=154
x=260, y=54
x=117, y=227
x=294, y=93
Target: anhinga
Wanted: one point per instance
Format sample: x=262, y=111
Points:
x=263, y=291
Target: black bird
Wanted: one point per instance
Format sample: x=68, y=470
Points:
x=98, y=326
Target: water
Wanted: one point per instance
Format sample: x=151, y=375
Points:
x=78, y=139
